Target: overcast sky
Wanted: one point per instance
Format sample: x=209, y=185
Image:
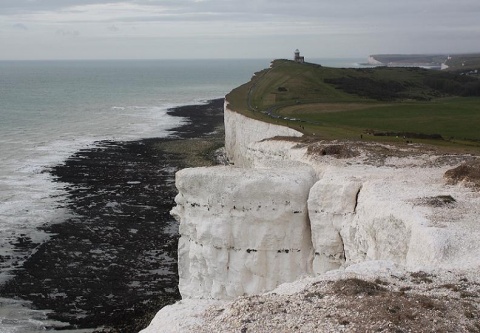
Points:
x=156, y=29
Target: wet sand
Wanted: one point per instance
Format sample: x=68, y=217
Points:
x=113, y=264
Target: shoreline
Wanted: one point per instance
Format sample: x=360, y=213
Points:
x=111, y=266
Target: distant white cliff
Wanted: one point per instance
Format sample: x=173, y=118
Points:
x=288, y=209
x=374, y=62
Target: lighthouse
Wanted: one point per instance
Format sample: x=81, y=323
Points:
x=298, y=58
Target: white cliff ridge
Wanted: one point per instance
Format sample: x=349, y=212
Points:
x=287, y=210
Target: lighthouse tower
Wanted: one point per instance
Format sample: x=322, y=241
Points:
x=298, y=58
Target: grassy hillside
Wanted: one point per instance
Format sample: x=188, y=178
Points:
x=376, y=104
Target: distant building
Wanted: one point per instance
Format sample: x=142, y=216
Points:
x=298, y=58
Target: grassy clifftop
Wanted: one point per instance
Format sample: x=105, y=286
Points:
x=337, y=103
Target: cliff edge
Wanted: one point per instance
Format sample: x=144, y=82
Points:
x=350, y=236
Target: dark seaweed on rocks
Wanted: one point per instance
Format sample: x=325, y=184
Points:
x=112, y=264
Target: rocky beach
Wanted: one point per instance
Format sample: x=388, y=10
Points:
x=112, y=263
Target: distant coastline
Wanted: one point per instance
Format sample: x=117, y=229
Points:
x=452, y=62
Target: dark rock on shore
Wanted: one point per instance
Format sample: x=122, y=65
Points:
x=112, y=264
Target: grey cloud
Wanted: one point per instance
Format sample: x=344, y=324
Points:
x=26, y=6
x=20, y=26
x=68, y=33
x=324, y=27
x=113, y=28
x=247, y=10
x=391, y=15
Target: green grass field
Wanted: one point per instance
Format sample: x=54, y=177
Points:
x=454, y=117
x=343, y=103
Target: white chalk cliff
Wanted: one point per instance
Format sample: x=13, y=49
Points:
x=288, y=209
x=375, y=62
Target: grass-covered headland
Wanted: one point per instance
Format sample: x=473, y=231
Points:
x=379, y=104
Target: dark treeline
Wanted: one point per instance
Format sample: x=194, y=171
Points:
x=452, y=84
x=428, y=84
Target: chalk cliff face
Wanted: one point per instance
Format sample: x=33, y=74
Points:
x=243, y=231
x=280, y=213
x=375, y=208
x=373, y=61
x=331, y=205
x=241, y=131
x=286, y=210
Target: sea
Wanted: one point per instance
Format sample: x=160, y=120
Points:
x=51, y=109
